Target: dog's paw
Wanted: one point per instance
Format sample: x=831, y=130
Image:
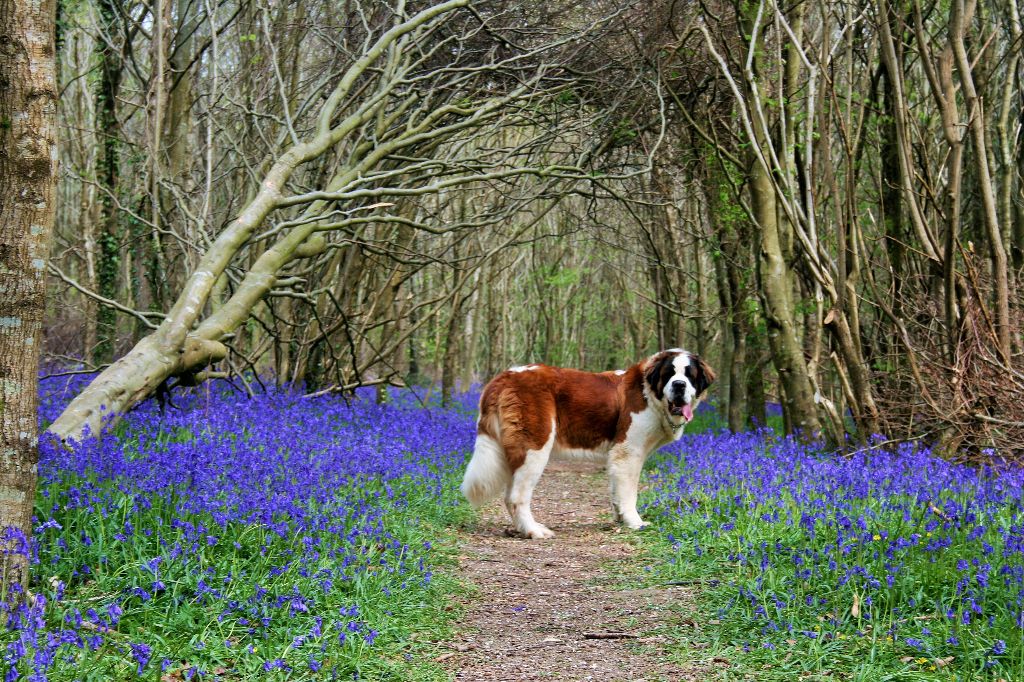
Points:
x=539, y=532
x=637, y=524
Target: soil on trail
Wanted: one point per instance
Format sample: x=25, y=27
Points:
x=554, y=609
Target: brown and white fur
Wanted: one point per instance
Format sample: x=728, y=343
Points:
x=534, y=413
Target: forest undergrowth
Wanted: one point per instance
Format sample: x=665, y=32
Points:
x=886, y=564
x=278, y=537
x=284, y=537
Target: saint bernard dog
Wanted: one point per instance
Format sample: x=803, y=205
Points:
x=532, y=413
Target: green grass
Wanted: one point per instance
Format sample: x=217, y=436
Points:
x=186, y=615
x=729, y=645
x=837, y=632
x=220, y=599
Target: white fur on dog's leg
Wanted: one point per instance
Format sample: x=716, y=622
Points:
x=540, y=532
x=630, y=516
x=624, y=468
x=487, y=472
x=520, y=491
x=526, y=525
x=617, y=516
x=636, y=524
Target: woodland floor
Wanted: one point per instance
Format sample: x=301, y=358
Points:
x=542, y=606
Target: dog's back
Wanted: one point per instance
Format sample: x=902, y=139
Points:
x=521, y=407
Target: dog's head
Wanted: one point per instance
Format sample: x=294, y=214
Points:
x=679, y=380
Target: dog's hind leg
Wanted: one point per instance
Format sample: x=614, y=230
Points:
x=520, y=488
x=487, y=472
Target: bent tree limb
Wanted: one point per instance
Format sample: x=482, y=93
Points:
x=402, y=123
x=173, y=349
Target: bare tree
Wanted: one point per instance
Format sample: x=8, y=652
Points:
x=431, y=105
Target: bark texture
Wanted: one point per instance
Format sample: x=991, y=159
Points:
x=28, y=175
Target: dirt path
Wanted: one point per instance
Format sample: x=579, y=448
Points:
x=539, y=600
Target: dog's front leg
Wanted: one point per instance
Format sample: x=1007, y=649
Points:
x=624, y=465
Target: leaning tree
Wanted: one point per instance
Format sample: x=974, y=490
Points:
x=448, y=119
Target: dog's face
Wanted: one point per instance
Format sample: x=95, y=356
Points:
x=679, y=380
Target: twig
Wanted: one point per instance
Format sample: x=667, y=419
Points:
x=141, y=316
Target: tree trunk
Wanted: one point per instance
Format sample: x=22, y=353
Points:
x=107, y=171
x=700, y=330
x=890, y=203
x=755, y=389
x=452, y=346
x=787, y=353
x=28, y=177
x=494, y=337
x=88, y=220
x=736, y=293
x=471, y=335
x=960, y=16
x=725, y=359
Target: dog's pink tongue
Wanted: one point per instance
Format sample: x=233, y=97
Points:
x=688, y=412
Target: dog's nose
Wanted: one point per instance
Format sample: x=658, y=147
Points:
x=678, y=385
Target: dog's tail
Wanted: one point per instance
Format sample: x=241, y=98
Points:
x=487, y=473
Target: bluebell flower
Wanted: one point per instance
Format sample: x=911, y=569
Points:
x=141, y=653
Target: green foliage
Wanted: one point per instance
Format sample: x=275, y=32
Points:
x=805, y=306
x=624, y=133
x=562, y=277
x=773, y=604
x=201, y=623
x=567, y=96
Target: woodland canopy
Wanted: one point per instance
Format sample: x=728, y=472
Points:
x=822, y=199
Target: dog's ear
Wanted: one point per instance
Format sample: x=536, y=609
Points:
x=705, y=376
x=659, y=370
